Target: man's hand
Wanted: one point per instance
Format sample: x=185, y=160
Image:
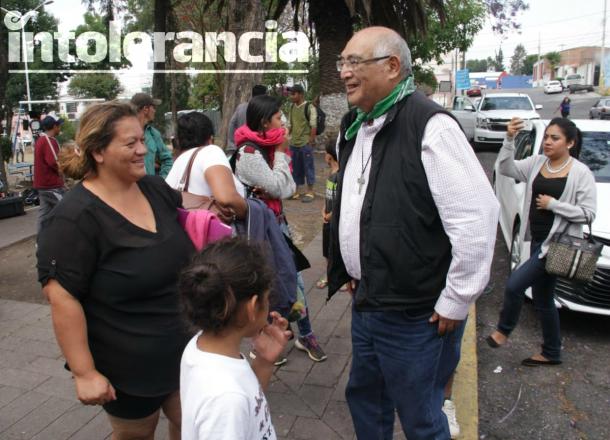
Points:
x=445, y=325
x=93, y=388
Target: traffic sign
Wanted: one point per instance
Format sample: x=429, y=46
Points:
x=462, y=79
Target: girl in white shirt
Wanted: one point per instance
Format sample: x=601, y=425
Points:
x=225, y=294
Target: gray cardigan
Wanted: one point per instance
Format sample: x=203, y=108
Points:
x=580, y=193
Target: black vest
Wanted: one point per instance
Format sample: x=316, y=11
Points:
x=404, y=251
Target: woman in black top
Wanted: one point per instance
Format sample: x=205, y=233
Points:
x=108, y=260
x=560, y=196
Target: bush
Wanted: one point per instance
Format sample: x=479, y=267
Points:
x=68, y=131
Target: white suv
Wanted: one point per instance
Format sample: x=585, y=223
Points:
x=495, y=111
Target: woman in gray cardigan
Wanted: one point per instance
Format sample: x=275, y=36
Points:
x=560, y=195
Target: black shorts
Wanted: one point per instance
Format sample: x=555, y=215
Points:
x=325, y=239
x=131, y=407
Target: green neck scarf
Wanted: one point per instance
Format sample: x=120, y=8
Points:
x=402, y=90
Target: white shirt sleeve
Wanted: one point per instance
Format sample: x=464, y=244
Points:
x=468, y=210
x=225, y=416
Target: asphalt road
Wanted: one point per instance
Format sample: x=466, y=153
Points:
x=568, y=402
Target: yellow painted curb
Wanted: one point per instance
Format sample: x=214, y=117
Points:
x=465, y=386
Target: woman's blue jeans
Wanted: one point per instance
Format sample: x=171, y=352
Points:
x=533, y=274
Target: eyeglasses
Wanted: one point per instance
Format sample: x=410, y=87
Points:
x=353, y=63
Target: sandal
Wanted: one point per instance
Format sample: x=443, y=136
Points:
x=308, y=198
x=322, y=283
x=295, y=196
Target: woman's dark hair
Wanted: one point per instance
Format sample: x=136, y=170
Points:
x=224, y=274
x=571, y=132
x=260, y=110
x=331, y=148
x=194, y=130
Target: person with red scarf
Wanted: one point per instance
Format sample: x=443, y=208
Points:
x=262, y=164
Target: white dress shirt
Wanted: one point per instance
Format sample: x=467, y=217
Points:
x=463, y=196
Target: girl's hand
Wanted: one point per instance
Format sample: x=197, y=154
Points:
x=542, y=201
x=272, y=339
x=93, y=388
x=514, y=126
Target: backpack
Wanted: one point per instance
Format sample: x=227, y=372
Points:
x=321, y=120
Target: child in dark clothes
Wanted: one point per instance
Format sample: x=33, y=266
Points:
x=331, y=190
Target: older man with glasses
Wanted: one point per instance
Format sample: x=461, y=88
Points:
x=414, y=234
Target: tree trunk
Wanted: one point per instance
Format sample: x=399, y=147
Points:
x=3, y=109
x=244, y=16
x=333, y=25
x=162, y=9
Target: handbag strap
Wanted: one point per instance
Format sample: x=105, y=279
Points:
x=587, y=221
x=186, y=176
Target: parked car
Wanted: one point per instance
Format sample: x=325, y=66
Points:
x=573, y=88
x=463, y=109
x=601, y=109
x=573, y=78
x=593, y=297
x=553, y=87
x=474, y=91
x=490, y=116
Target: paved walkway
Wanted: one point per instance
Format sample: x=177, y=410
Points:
x=307, y=400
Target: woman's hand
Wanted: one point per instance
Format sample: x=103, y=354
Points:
x=514, y=126
x=261, y=193
x=542, y=201
x=284, y=146
x=93, y=388
x=272, y=339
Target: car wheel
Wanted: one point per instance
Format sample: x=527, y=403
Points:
x=515, y=249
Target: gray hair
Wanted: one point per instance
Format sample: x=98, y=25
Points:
x=394, y=44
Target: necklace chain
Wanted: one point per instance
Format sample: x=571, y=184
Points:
x=557, y=170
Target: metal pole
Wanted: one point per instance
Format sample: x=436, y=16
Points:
x=602, y=71
x=538, y=66
x=27, y=75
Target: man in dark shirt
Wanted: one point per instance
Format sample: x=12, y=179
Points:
x=47, y=179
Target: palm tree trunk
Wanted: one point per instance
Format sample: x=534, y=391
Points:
x=333, y=24
x=3, y=81
x=162, y=9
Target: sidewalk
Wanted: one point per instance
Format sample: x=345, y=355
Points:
x=307, y=399
x=19, y=228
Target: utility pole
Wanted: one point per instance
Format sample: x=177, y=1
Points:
x=538, y=73
x=602, y=71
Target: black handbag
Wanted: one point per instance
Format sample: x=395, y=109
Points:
x=573, y=258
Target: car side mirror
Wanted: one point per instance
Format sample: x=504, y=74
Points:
x=538, y=106
x=468, y=108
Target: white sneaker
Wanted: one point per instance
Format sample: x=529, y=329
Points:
x=449, y=410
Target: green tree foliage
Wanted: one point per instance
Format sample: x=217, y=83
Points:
x=95, y=22
x=95, y=85
x=517, y=61
x=497, y=62
x=528, y=64
x=554, y=59
x=477, y=65
x=464, y=19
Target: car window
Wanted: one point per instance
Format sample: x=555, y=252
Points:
x=595, y=153
x=606, y=103
x=506, y=103
x=523, y=145
x=461, y=103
